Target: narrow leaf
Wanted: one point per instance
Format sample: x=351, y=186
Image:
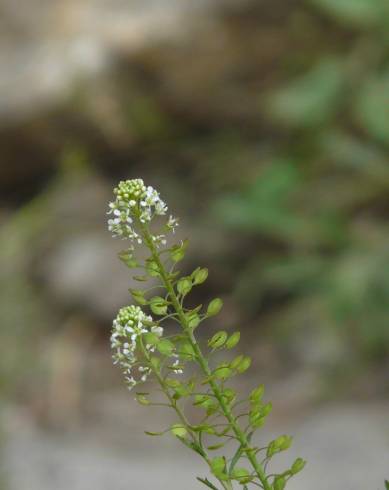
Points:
x=207, y=483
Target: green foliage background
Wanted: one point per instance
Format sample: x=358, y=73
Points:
x=320, y=197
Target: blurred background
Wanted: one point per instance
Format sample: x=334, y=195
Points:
x=265, y=125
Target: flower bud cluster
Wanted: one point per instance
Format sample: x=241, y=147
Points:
x=128, y=328
x=135, y=200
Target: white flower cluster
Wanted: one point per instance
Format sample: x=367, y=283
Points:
x=128, y=326
x=134, y=199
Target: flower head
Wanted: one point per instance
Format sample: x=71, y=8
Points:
x=130, y=324
x=135, y=202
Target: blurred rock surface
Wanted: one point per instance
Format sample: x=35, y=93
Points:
x=352, y=440
x=47, y=46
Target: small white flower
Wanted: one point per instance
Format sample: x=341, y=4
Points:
x=176, y=369
x=127, y=328
x=157, y=330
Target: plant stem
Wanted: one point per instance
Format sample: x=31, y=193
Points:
x=203, y=362
x=177, y=409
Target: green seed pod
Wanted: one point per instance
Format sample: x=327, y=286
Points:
x=233, y=340
x=127, y=258
x=158, y=305
x=218, y=467
x=223, y=372
x=214, y=307
x=184, y=285
x=257, y=394
x=152, y=268
x=138, y=296
x=178, y=430
x=200, y=276
x=280, y=444
x=218, y=340
x=241, y=364
x=193, y=319
x=177, y=252
x=297, y=466
x=235, y=363
x=151, y=338
x=279, y=483
x=141, y=399
x=242, y=475
x=165, y=347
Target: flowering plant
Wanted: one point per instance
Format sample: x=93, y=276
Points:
x=185, y=371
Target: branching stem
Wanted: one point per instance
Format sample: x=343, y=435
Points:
x=203, y=362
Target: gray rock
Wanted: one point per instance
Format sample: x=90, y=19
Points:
x=86, y=272
x=346, y=447
x=46, y=47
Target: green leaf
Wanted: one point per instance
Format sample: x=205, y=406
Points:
x=265, y=206
x=138, y=296
x=184, y=285
x=178, y=430
x=214, y=447
x=199, y=276
x=371, y=107
x=181, y=391
x=127, y=258
x=233, y=340
x=214, y=307
x=177, y=252
x=186, y=351
x=158, y=305
x=165, y=347
x=155, y=362
x=387, y=484
x=361, y=13
x=197, y=448
x=151, y=338
x=204, y=428
x=218, y=340
x=311, y=99
x=172, y=382
x=201, y=399
x=149, y=433
x=140, y=278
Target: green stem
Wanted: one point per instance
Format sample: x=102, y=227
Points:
x=177, y=409
x=241, y=436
